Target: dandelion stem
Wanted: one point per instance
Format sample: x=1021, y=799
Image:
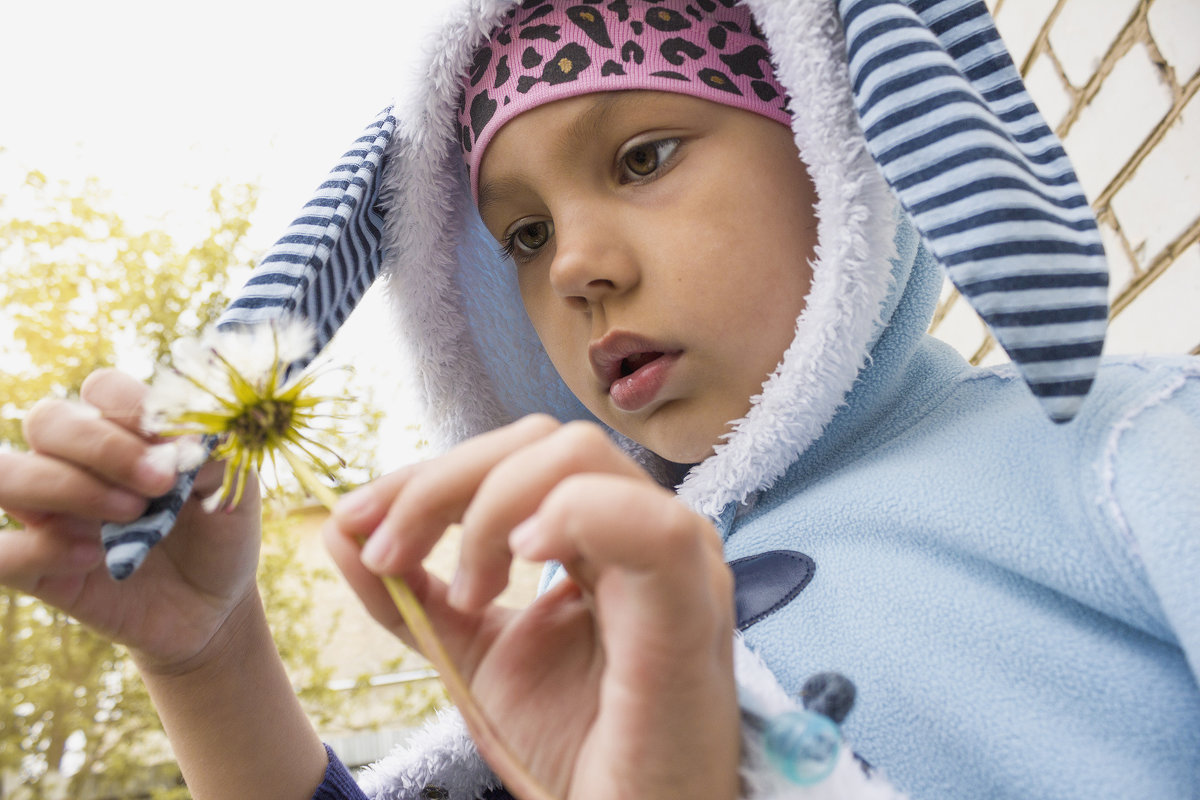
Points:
x=517, y=779
x=308, y=479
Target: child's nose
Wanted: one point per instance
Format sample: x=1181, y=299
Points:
x=592, y=262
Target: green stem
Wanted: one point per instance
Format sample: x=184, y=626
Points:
x=517, y=779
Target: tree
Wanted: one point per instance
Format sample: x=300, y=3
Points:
x=81, y=290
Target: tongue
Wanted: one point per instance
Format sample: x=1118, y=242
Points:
x=635, y=362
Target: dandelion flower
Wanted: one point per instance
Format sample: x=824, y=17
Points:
x=244, y=390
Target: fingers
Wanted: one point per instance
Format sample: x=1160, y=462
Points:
x=106, y=448
x=405, y=513
x=492, y=484
x=57, y=546
x=117, y=396
x=459, y=632
x=31, y=483
x=87, y=459
x=593, y=523
x=657, y=578
x=512, y=492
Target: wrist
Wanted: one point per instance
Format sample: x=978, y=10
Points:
x=235, y=724
x=243, y=631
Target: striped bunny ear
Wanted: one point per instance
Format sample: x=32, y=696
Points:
x=986, y=182
x=319, y=270
x=330, y=255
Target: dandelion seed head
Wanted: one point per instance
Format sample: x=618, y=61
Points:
x=258, y=350
x=213, y=502
x=231, y=385
x=170, y=395
x=191, y=455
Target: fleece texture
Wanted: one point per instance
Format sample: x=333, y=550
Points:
x=1017, y=598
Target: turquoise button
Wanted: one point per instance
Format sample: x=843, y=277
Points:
x=803, y=745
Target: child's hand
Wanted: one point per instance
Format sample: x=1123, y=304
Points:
x=88, y=463
x=618, y=682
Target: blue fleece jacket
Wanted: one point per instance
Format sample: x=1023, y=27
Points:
x=1016, y=601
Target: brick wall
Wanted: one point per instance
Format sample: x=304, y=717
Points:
x=1117, y=81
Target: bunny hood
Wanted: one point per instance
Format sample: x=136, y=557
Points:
x=461, y=320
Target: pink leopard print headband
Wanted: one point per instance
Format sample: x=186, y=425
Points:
x=547, y=50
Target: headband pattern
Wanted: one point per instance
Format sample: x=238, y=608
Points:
x=547, y=51
x=945, y=115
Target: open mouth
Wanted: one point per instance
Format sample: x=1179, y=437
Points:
x=631, y=364
x=622, y=358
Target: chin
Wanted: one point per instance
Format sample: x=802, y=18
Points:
x=676, y=441
x=692, y=455
x=680, y=450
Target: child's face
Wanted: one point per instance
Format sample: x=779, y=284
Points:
x=661, y=244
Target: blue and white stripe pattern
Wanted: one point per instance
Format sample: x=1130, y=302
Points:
x=986, y=181
x=329, y=256
x=319, y=269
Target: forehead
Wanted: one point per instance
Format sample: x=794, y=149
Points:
x=558, y=132
x=553, y=49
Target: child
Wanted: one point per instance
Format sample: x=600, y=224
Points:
x=705, y=265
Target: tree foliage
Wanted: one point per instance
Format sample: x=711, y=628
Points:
x=81, y=289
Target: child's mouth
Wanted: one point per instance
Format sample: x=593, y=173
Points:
x=643, y=376
x=632, y=369
x=633, y=363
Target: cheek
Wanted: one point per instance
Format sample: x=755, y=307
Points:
x=551, y=321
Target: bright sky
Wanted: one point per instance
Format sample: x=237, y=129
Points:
x=162, y=100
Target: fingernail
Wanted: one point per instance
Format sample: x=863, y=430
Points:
x=158, y=464
x=459, y=592
x=377, y=552
x=88, y=411
x=522, y=537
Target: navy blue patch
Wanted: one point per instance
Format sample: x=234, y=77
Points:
x=499, y=793
x=766, y=582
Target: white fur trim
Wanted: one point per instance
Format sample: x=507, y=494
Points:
x=440, y=754
x=851, y=269
x=422, y=184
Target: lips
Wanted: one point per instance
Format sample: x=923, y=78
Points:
x=632, y=367
x=633, y=363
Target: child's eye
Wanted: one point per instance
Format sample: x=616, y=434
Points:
x=524, y=242
x=643, y=160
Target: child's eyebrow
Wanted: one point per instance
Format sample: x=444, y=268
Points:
x=591, y=123
x=587, y=125
x=493, y=192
